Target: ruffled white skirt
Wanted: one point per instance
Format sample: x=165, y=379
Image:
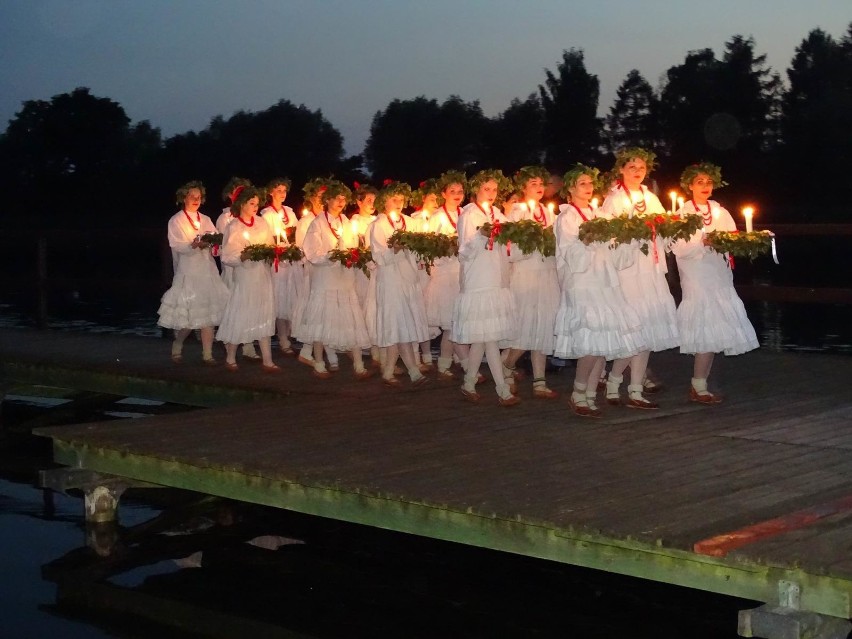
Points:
x=287, y=284
x=250, y=313
x=713, y=320
x=536, y=293
x=196, y=299
x=485, y=315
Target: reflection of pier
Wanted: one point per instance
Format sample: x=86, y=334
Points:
x=750, y=498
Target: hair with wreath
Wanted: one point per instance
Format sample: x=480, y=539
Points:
x=706, y=168
x=475, y=183
x=244, y=195
x=426, y=187
x=623, y=156
x=449, y=178
x=335, y=188
x=572, y=175
x=389, y=189
x=184, y=189
x=527, y=173
x=228, y=190
x=363, y=190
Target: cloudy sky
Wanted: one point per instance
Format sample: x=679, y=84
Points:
x=178, y=63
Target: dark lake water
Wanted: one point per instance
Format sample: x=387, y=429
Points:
x=326, y=579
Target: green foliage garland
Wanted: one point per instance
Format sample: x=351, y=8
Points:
x=426, y=187
x=389, y=189
x=750, y=245
x=623, y=229
x=352, y=258
x=527, y=173
x=427, y=246
x=570, y=179
x=677, y=227
x=504, y=184
x=290, y=253
x=212, y=238
x=623, y=156
x=694, y=170
x=528, y=235
x=258, y=253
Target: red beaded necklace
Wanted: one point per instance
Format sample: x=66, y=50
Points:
x=334, y=232
x=639, y=206
x=197, y=224
x=449, y=219
x=579, y=212
x=393, y=224
x=707, y=217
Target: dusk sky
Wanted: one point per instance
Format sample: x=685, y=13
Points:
x=178, y=63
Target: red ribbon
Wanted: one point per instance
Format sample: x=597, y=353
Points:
x=215, y=250
x=278, y=251
x=495, y=231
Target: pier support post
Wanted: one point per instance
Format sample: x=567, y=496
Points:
x=778, y=622
x=102, y=503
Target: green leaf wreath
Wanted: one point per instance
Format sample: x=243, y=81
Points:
x=528, y=235
x=750, y=245
x=290, y=253
x=427, y=246
x=212, y=238
x=352, y=258
x=258, y=253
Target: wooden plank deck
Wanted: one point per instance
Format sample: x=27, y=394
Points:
x=632, y=493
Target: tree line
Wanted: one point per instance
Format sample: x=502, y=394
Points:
x=77, y=159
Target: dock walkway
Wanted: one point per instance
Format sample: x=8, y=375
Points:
x=750, y=498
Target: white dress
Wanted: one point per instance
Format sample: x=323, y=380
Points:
x=593, y=317
x=711, y=317
x=443, y=287
x=303, y=275
x=197, y=297
x=533, y=282
x=399, y=315
x=332, y=313
x=485, y=308
x=289, y=278
x=250, y=313
x=362, y=282
x=222, y=222
x=643, y=277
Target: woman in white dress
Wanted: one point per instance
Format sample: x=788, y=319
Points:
x=594, y=322
x=197, y=297
x=533, y=283
x=443, y=287
x=365, y=200
x=250, y=313
x=399, y=317
x=484, y=312
x=222, y=222
x=711, y=317
x=425, y=201
x=313, y=191
x=642, y=277
x=333, y=317
x=286, y=277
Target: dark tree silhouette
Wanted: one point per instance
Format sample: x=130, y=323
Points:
x=515, y=136
x=632, y=119
x=77, y=154
x=816, y=124
x=569, y=97
x=412, y=140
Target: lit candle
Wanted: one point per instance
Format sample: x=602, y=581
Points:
x=304, y=212
x=530, y=205
x=550, y=206
x=245, y=235
x=680, y=202
x=424, y=223
x=394, y=216
x=594, y=203
x=673, y=196
x=748, y=212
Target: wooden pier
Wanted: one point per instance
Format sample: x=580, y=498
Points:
x=750, y=498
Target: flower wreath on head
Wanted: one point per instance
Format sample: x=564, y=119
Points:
x=389, y=189
x=623, y=156
x=572, y=175
x=694, y=170
x=527, y=173
x=451, y=177
x=362, y=190
x=332, y=188
x=504, y=184
x=426, y=187
x=316, y=186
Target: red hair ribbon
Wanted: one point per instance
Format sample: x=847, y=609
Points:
x=323, y=188
x=356, y=184
x=422, y=184
x=236, y=193
x=387, y=181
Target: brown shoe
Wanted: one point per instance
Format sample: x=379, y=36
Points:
x=512, y=400
x=420, y=382
x=306, y=361
x=583, y=410
x=362, y=375
x=391, y=382
x=703, y=398
x=471, y=396
x=545, y=393
x=321, y=374
x=642, y=404
x=272, y=369
x=209, y=362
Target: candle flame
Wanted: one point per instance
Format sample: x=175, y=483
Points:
x=550, y=207
x=594, y=203
x=394, y=215
x=530, y=204
x=748, y=211
x=304, y=212
x=673, y=195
